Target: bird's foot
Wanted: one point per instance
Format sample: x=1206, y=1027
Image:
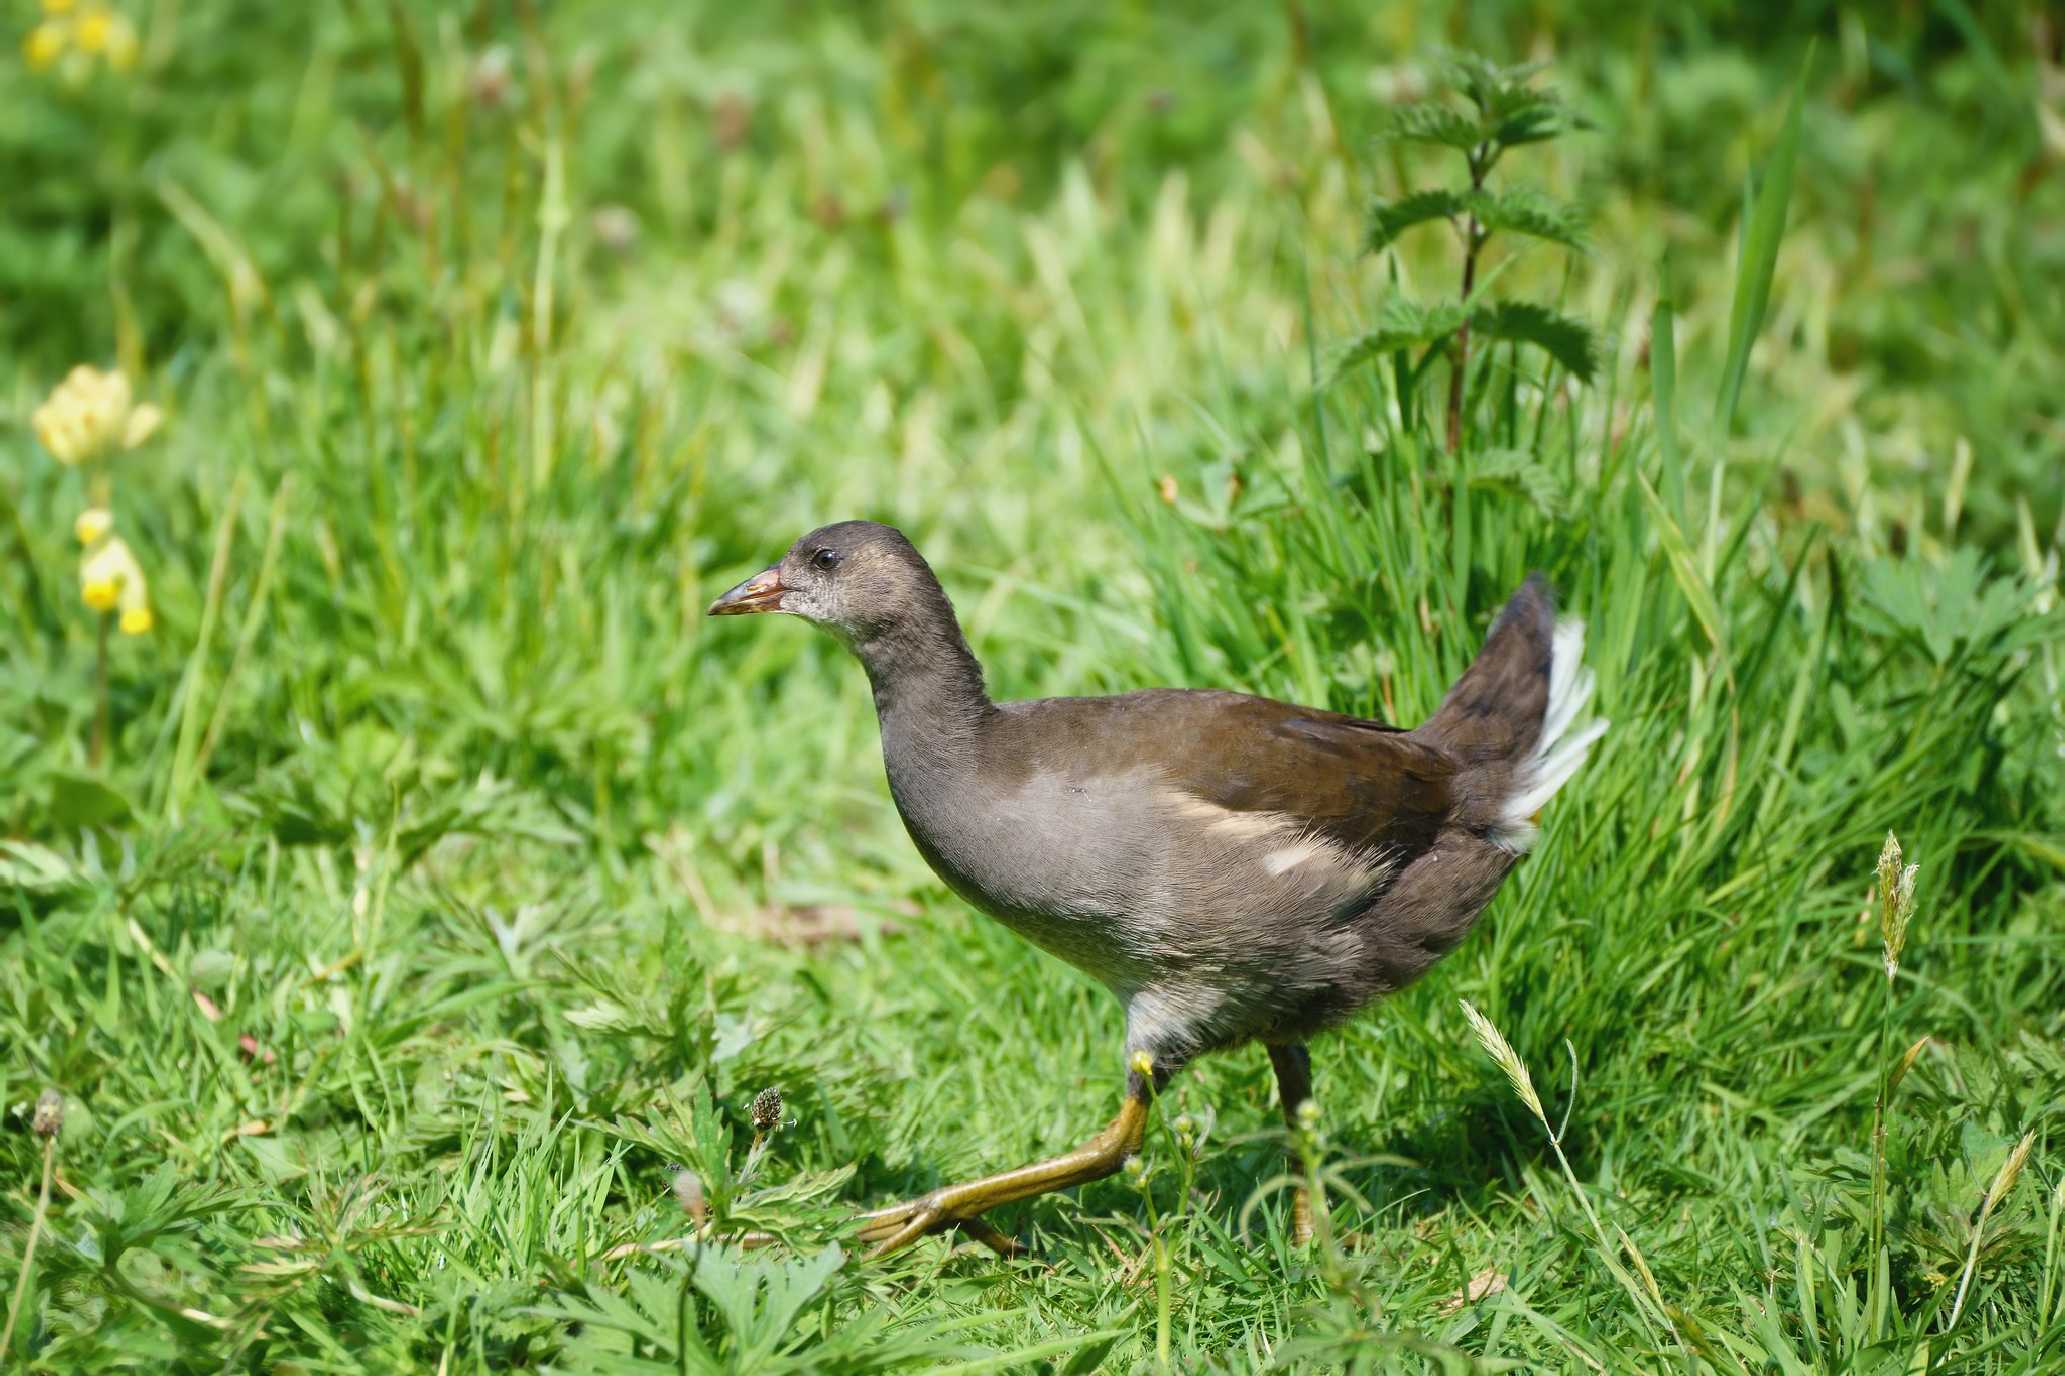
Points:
x=962, y=1206
x=899, y=1225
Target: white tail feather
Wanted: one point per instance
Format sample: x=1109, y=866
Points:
x=1563, y=743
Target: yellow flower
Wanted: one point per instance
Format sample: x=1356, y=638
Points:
x=91, y=33
x=122, y=44
x=136, y=620
x=57, y=6
x=93, y=523
x=109, y=576
x=90, y=413
x=44, y=46
x=143, y=423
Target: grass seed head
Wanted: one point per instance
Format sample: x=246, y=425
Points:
x=1496, y=1047
x=2010, y=1169
x=1896, y=901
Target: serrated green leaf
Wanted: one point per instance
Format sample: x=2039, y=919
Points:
x=1512, y=112
x=1518, y=469
x=1402, y=325
x=1531, y=121
x=1520, y=211
x=1569, y=341
x=1430, y=121
x=1389, y=219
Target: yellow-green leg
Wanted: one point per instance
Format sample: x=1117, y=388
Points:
x=961, y=1206
x=1293, y=1066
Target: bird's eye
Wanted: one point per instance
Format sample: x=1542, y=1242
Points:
x=824, y=559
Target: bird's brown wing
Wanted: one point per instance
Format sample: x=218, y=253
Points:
x=1360, y=784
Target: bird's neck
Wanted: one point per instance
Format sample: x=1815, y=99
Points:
x=928, y=684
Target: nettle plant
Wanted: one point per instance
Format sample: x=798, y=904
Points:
x=1501, y=109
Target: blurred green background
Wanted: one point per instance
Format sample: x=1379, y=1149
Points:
x=494, y=339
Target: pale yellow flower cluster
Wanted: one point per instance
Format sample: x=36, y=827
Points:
x=109, y=576
x=88, y=32
x=92, y=414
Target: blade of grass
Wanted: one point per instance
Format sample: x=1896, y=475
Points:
x=1760, y=253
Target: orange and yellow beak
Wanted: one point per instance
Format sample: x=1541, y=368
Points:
x=760, y=593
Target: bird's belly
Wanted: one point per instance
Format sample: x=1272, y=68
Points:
x=1093, y=871
x=1065, y=864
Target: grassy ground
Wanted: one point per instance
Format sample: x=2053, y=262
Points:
x=449, y=885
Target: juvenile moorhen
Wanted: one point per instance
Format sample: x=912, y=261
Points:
x=1234, y=869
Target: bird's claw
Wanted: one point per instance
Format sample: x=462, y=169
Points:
x=899, y=1225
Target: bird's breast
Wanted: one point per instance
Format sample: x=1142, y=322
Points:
x=1070, y=863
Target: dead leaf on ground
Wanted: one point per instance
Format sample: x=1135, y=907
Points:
x=1482, y=1286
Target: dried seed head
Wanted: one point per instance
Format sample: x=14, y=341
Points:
x=767, y=1109
x=2004, y=1179
x=688, y=1193
x=1495, y=1046
x=50, y=1113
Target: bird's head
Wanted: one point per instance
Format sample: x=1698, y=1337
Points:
x=855, y=579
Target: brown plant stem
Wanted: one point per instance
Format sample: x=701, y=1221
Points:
x=1473, y=240
x=1455, y=377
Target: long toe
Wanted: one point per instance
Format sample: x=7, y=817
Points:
x=899, y=1225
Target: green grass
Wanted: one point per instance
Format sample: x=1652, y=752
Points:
x=451, y=884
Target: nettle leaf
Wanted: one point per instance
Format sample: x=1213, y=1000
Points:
x=1534, y=119
x=1389, y=219
x=1482, y=79
x=1570, y=342
x=1521, y=211
x=1512, y=112
x=1526, y=473
x=1403, y=324
x=1430, y=121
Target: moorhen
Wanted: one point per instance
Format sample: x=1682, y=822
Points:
x=1234, y=869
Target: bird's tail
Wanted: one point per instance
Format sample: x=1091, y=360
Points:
x=1512, y=719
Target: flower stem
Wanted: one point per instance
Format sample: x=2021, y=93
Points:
x=1874, y=1307
x=100, y=693
x=21, y=1284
